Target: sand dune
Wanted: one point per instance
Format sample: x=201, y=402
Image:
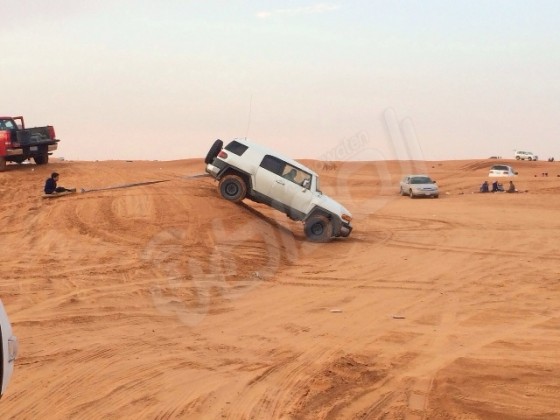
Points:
x=165, y=301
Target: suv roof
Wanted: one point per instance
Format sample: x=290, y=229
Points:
x=263, y=150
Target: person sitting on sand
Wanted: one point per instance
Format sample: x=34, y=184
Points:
x=484, y=187
x=51, y=185
x=496, y=187
x=511, y=188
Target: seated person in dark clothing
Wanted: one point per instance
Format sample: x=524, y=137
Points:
x=484, y=187
x=291, y=175
x=511, y=188
x=51, y=185
x=496, y=187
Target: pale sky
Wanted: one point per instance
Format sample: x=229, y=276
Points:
x=124, y=79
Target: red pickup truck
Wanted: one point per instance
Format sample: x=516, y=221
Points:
x=18, y=143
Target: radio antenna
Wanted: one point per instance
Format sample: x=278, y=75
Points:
x=249, y=119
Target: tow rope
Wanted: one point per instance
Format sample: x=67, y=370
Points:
x=134, y=184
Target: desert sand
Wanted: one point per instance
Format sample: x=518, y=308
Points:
x=165, y=301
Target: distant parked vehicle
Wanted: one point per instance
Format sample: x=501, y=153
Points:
x=520, y=155
x=501, y=170
x=8, y=350
x=19, y=143
x=419, y=186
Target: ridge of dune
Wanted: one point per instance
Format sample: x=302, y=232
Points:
x=166, y=301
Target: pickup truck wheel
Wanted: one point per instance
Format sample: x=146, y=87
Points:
x=2, y=163
x=214, y=150
x=233, y=188
x=43, y=158
x=318, y=229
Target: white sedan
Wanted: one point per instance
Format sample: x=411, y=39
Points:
x=419, y=186
x=501, y=170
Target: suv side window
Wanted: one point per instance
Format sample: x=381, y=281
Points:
x=297, y=176
x=236, y=148
x=286, y=171
x=273, y=164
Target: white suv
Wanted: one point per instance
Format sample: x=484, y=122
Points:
x=248, y=170
x=520, y=155
x=8, y=350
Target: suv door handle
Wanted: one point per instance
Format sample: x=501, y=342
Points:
x=279, y=181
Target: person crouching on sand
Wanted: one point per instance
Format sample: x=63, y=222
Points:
x=511, y=188
x=51, y=185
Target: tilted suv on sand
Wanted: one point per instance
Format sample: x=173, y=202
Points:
x=248, y=170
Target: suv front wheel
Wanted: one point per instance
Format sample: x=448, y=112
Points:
x=318, y=228
x=233, y=188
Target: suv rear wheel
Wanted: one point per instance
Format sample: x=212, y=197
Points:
x=233, y=188
x=318, y=228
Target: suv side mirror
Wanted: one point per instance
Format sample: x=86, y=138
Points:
x=8, y=350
